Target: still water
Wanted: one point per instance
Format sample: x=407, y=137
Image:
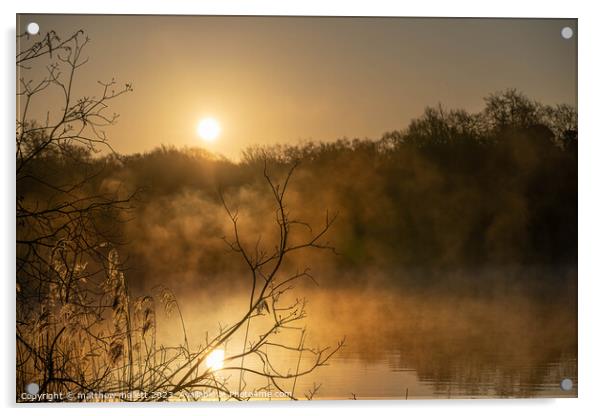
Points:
x=352, y=376
x=384, y=378
x=432, y=347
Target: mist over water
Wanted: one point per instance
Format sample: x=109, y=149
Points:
x=433, y=344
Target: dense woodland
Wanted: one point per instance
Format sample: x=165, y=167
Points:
x=452, y=191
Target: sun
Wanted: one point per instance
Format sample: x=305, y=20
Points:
x=215, y=360
x=208, y=129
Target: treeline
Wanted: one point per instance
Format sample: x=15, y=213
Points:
x=492, y=191
x=453, y=192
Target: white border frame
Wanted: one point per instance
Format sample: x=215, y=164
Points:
x=590, y=201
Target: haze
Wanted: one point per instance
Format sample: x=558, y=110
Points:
x=289, y=79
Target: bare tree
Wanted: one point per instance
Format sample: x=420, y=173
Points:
x=71, y=135
x=65, y=224
x=80, y=333
x=269, y=284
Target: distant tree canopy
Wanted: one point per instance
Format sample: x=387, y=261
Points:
x=453, y=190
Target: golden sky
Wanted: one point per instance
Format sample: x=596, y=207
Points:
x=286, y=79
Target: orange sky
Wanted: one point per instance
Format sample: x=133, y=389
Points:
x=285, y=79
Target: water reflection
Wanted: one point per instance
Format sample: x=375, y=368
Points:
x=454, y=347
x=351, y=377
x=419, y=346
